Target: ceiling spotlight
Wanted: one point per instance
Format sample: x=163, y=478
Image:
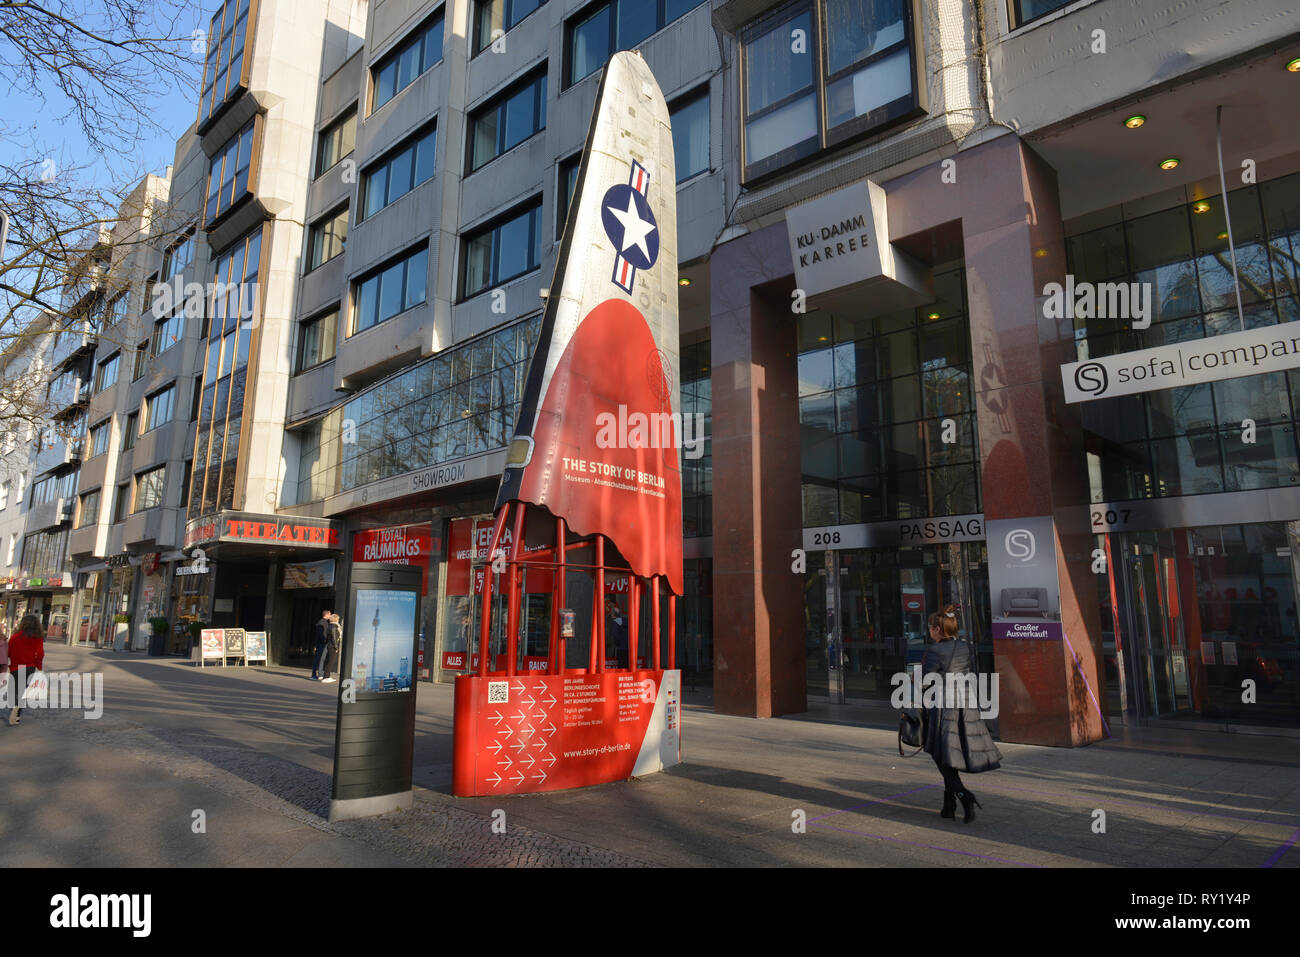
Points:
x=1134, y=121
x=1200, y=206
x=1168, y=164
x=1294, y=66
x=683, y=282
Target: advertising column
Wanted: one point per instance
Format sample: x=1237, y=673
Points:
x=375, y=739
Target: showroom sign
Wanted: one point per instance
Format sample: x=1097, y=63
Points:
x=1253, y=352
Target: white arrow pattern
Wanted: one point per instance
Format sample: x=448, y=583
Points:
x=536, y=732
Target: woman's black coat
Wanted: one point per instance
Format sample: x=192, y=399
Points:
x=956, y=737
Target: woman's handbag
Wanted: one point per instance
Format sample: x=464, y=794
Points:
x=911, y=731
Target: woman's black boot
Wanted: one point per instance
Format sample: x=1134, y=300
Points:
x=968, y=804
x=949, y=805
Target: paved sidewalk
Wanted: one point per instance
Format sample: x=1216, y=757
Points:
x=252, y=749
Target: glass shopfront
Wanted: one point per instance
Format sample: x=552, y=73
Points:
x=1200, y=625
x=866, y=611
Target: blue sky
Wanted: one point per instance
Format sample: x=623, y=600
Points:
x=26, y=119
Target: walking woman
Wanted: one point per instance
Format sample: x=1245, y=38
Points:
x=26, y=651
x=955, y=736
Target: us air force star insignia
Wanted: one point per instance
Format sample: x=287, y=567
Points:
x=630, y=226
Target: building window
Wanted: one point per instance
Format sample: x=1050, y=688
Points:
x=416, y=54
x=327, y=238
x=130, y=428
x=121, y=502
x=99, y=438
x=141, y=360
x=460, y=402
x=1188, y=441
x=507, y=120
x=401, y=171
x=4, y=495
x=53, y=487
x=178, y=258
x=1026, y=10
x=566, y=183
x=336, y=141
x=222, y=72
x=159, y=407
x=228, y=174
x=166, y=333
x=149, y=488
x=316, y=340
x=861, y=78
x=493, y=18
x=690, y=119
x=89, y=509
x=875, y=395
x=499, y=252
x=234, y=303
x=106, y=373
x=185, y=483
x=599, y=31
x=390, y=290
x=115, y=311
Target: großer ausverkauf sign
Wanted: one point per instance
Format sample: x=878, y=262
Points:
x=1253, y=352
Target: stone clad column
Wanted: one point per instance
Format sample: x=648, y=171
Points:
x=759, y=665
x=1033, y=466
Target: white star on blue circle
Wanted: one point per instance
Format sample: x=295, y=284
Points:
x=630, y=225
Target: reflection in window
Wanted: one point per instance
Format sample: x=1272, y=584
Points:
x=861, y=77
x=603, y=29
x=503, y=251
x=461, y=402
x=397, y=174
x=228, y=174
x=690, y=120
x=398, y=69
x=223, y=67
x=875, y=395
x=317, y=338
x=507, y=120
x=327, y=239
x=336, y=141
x=390, y=290
x=1188, y=441
x=493, y=18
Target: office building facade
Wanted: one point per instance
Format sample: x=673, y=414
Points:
x=875, y=200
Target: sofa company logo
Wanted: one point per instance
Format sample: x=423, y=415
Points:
x=76, y=910
x=1091, y=378
x=631, y=227
x=1237, y=354
x=1020, y=544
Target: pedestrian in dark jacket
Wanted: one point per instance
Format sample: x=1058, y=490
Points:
x=955, y=736
x=335, y=636
x=26, y=651
x=322, y=644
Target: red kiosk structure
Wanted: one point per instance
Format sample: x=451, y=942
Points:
x=591, y=491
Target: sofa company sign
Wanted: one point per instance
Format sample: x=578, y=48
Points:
x=1253, y=352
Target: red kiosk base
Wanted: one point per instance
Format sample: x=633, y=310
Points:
x=528, y=733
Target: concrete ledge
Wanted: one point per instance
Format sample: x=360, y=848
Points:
x=371, y=806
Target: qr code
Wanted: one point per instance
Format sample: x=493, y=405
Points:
x=498, y=692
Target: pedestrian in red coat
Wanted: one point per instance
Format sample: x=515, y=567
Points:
x=26, y=650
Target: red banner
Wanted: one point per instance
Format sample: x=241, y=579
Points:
x=549, y=732
x=396, y=545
